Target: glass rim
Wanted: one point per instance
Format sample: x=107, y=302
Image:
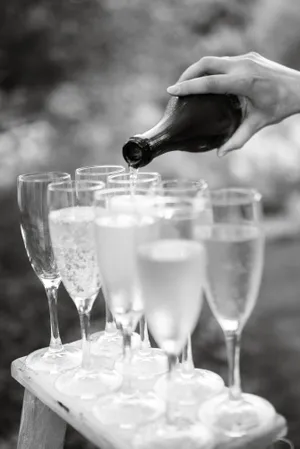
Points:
x=83, y=170
x=246, y=195
x=76, y=185
x=201, y=182
x=177, y=203
x=124, y=191
x=44, y=176
x=141, y=177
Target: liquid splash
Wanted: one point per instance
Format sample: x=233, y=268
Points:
x=133, y=179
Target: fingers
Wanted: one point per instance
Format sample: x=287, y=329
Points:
x=213, y=65
x=247, y=129
x=207, y=65
x=214, y=84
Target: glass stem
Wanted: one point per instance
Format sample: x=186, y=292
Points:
x=84, y=316
x=187, y=362
x=127, y=355
x=55, y=341
x=233, y=354
x=172, y=361
x=110, y=326
x=145, y=341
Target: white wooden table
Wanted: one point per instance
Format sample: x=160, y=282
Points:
x=46, y=413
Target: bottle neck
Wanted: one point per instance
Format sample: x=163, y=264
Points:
x=137, y=152
x=197, y=123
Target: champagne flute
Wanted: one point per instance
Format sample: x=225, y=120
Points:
x=108, y=341
x=32, y=201
x=190, y=386
x=171, y=270
x=118, y=232
x=234, y=244
x=71, y=225
x=148, y=362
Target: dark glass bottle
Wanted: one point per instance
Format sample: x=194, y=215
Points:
x=194, y=123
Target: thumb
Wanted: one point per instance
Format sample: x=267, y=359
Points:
x=246, y=130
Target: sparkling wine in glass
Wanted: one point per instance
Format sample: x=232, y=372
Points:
x=109, y=341
x=148, y=363
x=234, y=245
x=118, y=232
x=32, y=201
x=190, y=386
x=71, y=221
x=171, y=272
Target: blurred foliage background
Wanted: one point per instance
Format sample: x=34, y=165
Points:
x=77, y=78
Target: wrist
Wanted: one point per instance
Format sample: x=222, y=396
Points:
x=293, y=87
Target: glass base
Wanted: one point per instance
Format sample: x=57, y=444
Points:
x=44, y=360
x=110, y=344
x=190, y=391
x=145, y=367
x=162, y=435
x=236, y=418
x=282, y=443
x=128, y=411
x=88, y=384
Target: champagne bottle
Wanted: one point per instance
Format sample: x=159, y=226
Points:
x=193, y=123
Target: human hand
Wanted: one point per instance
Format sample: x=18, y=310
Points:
x=271, y=90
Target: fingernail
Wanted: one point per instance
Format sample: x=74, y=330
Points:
x=173, y=90
x=222, y=153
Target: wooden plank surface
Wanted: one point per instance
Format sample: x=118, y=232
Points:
x=78, y=413
x=40, y=427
